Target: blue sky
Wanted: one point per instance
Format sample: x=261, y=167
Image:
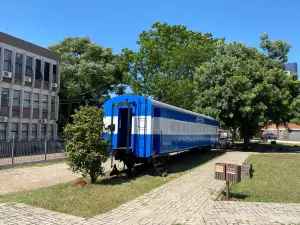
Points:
x=117, y=23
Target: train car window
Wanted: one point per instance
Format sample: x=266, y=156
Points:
x=171, y=127
x=178, y=127
x=183, y=126
x=175, y=127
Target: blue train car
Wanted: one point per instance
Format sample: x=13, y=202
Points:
x=142, y=128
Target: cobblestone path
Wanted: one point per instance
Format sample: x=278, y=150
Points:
x=187, y=200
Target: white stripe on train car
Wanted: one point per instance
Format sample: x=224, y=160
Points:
x=134, y=125
x=164, y=126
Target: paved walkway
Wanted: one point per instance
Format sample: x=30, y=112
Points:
x=187, y=200
x=19, y=179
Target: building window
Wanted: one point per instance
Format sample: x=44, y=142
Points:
x=51, y=132
x=3, y=131
x=54, y=76
x=7, y=60
x=45, y=102
x=53, y=103
x=5, y=97
x=16, y=100
x=26, y=100
x=18, y=66
x=43, y=130
x=14, y=130
x=34, y=130
x=24, y=130
x=29, y=70
x=38, y=73
x=36, y=101
x=46, y=71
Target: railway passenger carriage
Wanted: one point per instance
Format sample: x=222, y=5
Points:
x=142, y=128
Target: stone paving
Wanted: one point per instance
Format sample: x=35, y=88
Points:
x=187, y=200
x=19, y=179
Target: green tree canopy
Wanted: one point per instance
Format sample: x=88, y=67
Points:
x=86, y=149
x=245, y=88
x=166, y=62
x=89, y=73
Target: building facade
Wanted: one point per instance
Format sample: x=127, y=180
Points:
x=291, y=67
x=288, y=132
x=29, y=86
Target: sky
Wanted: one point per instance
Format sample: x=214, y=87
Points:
x=117, y=23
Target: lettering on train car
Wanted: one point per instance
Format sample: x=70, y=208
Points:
x=167, y=143
x=199, y=120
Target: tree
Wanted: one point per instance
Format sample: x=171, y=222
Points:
x=276, y=50
x=244, y=88
x=165, y=64
x=86, y=150
x=89, y=73
x=281, y=105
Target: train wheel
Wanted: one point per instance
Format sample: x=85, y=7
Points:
x=131, y=172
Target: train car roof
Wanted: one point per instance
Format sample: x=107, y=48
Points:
x=160, y=104
x=167, y=106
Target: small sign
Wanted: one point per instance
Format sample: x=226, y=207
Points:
x=231, y=170
x=219, y=169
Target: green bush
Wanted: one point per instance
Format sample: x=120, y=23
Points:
x=86, y=149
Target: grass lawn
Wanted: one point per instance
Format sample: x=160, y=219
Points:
x=264, y=146
x=276, y=178
x=108, y=193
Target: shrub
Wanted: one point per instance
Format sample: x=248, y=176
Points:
x=86, y=149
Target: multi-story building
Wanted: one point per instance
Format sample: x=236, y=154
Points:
x=29, y=84
x=291, y=67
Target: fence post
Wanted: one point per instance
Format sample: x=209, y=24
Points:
x=45, y=147
x=12, y=149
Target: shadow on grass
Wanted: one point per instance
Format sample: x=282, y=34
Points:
x=234, y=196
x=266, y=147
x=178, y=163
x=115, y=180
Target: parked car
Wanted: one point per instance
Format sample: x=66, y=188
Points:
x=225, y=140
x=269, y=136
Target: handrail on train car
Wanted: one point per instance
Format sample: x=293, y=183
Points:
x=112, y=126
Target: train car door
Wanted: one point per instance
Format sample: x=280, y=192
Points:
x=124, y=127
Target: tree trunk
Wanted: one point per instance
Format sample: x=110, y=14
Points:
x=233, y=134
x=277, y=127
x=246, y=142
x=93, y=178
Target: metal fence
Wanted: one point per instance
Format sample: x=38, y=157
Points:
x=22, y=151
